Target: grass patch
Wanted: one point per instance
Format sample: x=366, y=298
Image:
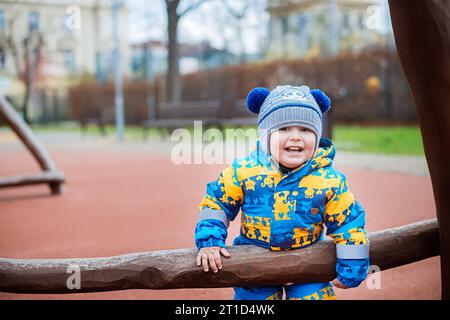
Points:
x=405, y=140
x=132, y=133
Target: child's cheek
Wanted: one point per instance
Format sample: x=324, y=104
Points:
x=275, y=146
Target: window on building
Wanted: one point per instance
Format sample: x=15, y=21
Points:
x=345, y=21
x=2, y=59
x=69, y=60
x=2, y=20
x=66, y=24
x=33, y=21
x=361, y=22
x=284, y=25
x=302, y=22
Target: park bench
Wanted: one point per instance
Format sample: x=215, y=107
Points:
x=174, y=115
x=212, y=113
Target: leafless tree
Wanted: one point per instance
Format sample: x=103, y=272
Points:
x=176, y=9
x=27, y=63
x=238, y=14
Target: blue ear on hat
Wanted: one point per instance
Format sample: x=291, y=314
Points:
x=255, y=99
x=322, y=100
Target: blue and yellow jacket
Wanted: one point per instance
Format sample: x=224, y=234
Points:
x=287, y=211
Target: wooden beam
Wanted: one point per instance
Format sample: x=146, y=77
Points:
x=248, y=265
x=49, y=177
x=31, y=142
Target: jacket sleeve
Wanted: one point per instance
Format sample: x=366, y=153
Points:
x=219, y=206
x=345, y=219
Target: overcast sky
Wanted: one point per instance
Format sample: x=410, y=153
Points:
x=147, y=20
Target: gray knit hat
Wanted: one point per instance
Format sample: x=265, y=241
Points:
x=287, y=106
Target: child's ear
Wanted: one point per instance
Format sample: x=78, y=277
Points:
x=322, y=100
x=255, y=99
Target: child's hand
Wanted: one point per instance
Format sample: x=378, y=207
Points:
x=338, y=284
x=211, y=254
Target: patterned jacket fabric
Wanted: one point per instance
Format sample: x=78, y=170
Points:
x=283, y=212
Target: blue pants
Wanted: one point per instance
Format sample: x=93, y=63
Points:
x=299, y=291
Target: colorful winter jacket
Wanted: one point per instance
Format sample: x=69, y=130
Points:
x=283, y=212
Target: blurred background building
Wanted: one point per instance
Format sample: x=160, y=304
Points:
x=56, y=57
x=50, y=45
x=309, y=29
x=149, y=58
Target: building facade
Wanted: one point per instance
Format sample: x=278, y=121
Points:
x=77, y=42
x=312, y=28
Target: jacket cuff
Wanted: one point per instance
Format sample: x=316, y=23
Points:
x=210, y=233
x=351, y=272
x=349, y=283
x=210, y=242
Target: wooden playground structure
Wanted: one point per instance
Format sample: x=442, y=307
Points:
x=49, y=174
x=249, y=265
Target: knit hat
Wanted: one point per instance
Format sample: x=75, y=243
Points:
x=287, y=106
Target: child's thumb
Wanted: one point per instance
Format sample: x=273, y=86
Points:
x=225, y=252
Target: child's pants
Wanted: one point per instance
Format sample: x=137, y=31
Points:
x=301, y=291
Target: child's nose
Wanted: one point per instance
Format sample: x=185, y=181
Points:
x=296, y=136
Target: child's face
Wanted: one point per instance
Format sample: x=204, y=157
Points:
x=292, y=146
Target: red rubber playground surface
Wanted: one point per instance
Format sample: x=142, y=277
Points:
x=118, y=202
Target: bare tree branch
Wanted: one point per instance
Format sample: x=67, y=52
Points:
x=13, y=49
x=173, y=84
x=236, y=14
x=191, y=7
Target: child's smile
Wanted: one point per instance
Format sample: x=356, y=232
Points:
x=294, y=149
x=292, y=146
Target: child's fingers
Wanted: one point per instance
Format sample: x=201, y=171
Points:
x=212, y=262
x=217, y=259
x=338, y=284
x=205, y=262
x=199, y=259
x=225, y=253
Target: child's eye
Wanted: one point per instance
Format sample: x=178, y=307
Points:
x=305, y=130
x=284, y=129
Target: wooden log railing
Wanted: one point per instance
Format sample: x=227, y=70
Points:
x=248, y=265
x=50, y=175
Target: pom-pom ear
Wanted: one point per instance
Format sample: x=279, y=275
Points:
x=322, y=100
x=255, y=99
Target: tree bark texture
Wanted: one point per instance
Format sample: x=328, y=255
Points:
x=422, y=35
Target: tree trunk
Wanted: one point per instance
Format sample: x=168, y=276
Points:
x=25, y=103
x=173, y=89
x=421, y=30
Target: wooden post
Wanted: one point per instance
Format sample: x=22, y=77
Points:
x=421, y=30
x=247, y=266
x=37, y=149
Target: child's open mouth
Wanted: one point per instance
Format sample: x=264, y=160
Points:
x=293, y=149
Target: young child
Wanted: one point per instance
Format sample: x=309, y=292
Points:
x=287, y=190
